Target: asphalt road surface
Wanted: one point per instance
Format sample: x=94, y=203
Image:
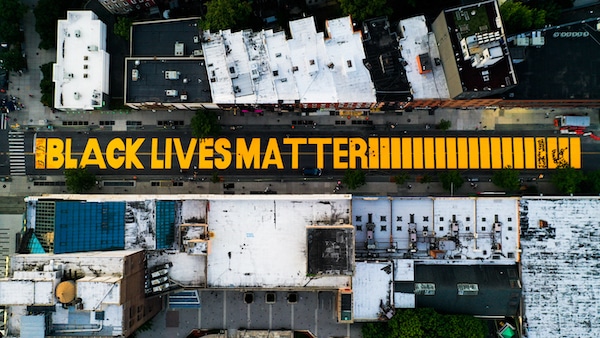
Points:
x=148, y=148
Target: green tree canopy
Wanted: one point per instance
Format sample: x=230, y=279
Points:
x=12, y=59
x=79, y=180
x=507, y=178
x=11, y=13
x=227, y=14
x=444, y=124
x=592, y=182
x=122, y=27
x=401, y=178
x=361, y=10
x=354, y=178
x=425, y=323
x=567, y=179
x=205, y=124
x=47, y=13
x=518, y=17
x=450, y=179
x=46, y=85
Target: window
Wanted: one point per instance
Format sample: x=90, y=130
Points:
x=510, y=228
x=359, y=228
x=467, y=289
x=441, y=228
x=85, y=58
x=424, y=289
x=349, y=62
x=359, y=218
x=441, y=219
x=425, y=218
x=398, y=228
x=155, y=184
x=468, y=228
x=398, y=218
x=384, y=228
x=510, y=219
x=483, y=219
x=383, y=218
x=85, y=76
x=468, y=219
x=482, y=228
x=85, y=66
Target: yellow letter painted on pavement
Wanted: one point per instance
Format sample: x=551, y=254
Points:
x=113, y=161
x=92, y=148
x=339, y=153
x=185, y=159
x=358, y=149
x=272, y=155
x=131, y=153
x=70, y=163
x=206, y=153
x=320, y=142
x=223, y=146
x=295, y=142
x=247, y=156
x=54, y=153
x=155, y=162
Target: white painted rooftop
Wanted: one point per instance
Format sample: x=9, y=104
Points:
x=418, y=40
x=80, y=73
x=263, y=67
x=263, y=242
x=432, y=218
x=560, y=267
x=372, y=287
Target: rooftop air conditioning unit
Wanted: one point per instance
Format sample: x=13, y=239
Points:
x=198, y=52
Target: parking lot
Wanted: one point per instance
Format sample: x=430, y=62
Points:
x=313, y=310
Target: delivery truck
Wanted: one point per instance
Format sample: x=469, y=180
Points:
x=579, y=121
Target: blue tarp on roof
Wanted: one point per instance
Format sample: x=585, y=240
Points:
x=34, y=246
x=89, y=226
x=165, y=224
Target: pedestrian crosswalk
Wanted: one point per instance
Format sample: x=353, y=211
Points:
x=4, y=121
x=16, y=148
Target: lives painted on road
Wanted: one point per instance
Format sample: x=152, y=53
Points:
x=323, y=152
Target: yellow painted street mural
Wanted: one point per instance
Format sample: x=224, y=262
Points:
x=325, y=152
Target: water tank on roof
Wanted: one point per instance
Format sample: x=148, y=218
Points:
x=65, y=292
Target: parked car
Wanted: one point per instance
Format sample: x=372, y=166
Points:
x=311, y=171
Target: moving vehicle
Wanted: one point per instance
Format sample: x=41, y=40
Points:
x=572, y=121
x=311, y=171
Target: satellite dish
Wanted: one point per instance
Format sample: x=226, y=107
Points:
x=137, y=62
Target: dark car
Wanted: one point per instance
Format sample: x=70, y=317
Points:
x=311, y=171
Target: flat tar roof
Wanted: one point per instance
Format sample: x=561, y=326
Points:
x=562, y=65
x=158, y=38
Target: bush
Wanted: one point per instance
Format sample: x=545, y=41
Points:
x=354, y=178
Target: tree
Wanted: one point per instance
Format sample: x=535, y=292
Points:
x=451, y=180
x=567, y=179
x=46, y=85
x=227, y=14
x=507, y=178
x=365, y=9
x=424, y=323
x=47, y=13
x=425, y=178
x=11, y=13
x=518, y=17
x=444, y=125
x=122, y=27
x=401, y=178
x=354, y=178
x=12, y=59
x=79, y=180
x=205, y=124
x=592, y=182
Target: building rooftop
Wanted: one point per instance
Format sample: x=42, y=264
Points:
x=473, y=50
x=158, y=38
x=481, y=289
x=561, y=246
x=264, y=67
x=384, y=61
x=208, y=248
x=175, y=81
x=372, y=289
x=80, y=73
x=461, y=228
x=558, y=62
x=416, y=40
